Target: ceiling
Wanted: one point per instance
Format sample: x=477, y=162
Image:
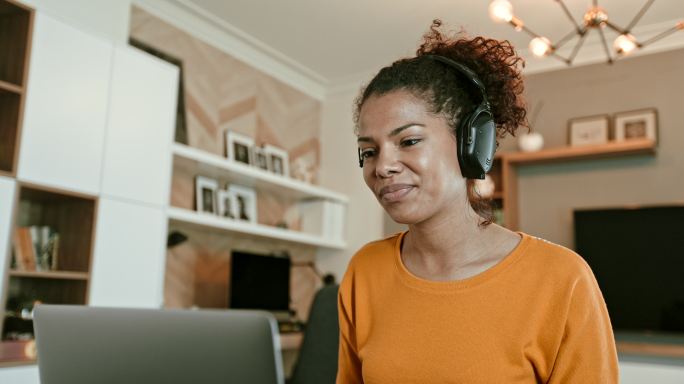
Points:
x=337, y=41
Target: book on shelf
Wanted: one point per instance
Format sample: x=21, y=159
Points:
x=36, y=248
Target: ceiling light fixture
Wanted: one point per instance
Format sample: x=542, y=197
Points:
x=595, y=18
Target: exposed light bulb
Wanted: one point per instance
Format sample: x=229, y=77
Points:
x=501, y=11
x=624, y=44
x=540, y=46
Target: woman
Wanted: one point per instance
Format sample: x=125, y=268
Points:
x=456, y=298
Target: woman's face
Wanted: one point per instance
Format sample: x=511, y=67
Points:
x=410, y=161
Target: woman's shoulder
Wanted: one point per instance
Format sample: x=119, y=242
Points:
x=375, y=254
x=556, y=259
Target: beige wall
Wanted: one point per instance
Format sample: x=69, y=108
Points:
x=340, y=172
x=549, y=193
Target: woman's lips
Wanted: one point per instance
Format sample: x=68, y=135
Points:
x=394, y=193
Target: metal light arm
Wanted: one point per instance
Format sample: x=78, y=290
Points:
x=594, y=18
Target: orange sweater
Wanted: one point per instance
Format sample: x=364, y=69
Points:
x=536, y=316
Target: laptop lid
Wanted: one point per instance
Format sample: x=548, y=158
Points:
x=79, y=344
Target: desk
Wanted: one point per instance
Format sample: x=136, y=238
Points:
x=291, y=340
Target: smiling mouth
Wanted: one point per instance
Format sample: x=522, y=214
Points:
x=394, y=195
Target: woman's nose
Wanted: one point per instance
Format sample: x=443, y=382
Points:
x=387, y=163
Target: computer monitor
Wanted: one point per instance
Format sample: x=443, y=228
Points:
x=259, y=282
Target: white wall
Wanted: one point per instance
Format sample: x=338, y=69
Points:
x=340, y=171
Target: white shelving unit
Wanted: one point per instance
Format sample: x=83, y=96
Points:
x=182, y=217
x=209, y=164
x=198, y=162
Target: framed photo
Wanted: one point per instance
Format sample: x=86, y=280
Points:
x=205, y=195
x=227, y=205
x=590, y=130
x=635, y=125
x=277, y=160
x=245, y=202
x=239, y=147
x=260, y=158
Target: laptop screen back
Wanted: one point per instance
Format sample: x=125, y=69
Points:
x=78, y=344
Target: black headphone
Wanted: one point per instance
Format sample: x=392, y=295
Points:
x=476, y=133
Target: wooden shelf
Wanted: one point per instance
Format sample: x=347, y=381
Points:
x=65, y=275
x=199, y=162
x=182, y=217
x=583, y=152
x=9, y=87
x=510, y=161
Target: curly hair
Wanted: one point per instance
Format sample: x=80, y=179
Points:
x=446, y=92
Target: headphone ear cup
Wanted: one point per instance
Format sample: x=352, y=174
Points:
x=477, y=143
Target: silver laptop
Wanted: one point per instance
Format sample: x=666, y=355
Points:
x=79, y=344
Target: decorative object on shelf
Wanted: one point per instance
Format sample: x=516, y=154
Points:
x=639, y=124
x=227, y=204
x=260, y=158
x=246, y=201
x=485, y=187
x=239, y=147
x=205, y=195
x=302, y=170
x=181, y=132
x=588, y=130
x=35, y=248
x=595, y=18
x=322, y=218
x=277, y=160
x=531, y=142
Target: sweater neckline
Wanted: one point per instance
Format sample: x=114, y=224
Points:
x=449, y=286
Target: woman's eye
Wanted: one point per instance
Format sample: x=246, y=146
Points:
x=366, y=153
x=409, y=142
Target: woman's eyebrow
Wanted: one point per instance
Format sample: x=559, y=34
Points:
x=394, y=132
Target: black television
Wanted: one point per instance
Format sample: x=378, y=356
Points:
x=637, y=256
x=259, y=282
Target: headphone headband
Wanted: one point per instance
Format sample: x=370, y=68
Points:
x=469, y=73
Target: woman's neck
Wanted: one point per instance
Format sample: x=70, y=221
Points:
x=452, y=246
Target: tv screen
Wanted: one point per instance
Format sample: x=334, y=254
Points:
x=637, y=256
x=259, y=282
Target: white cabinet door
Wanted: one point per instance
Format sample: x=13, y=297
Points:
x=129, y=260
x=66, y=108
x=140, y=129
x=7, y=193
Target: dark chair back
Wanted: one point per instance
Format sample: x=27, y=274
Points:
x=317, y=361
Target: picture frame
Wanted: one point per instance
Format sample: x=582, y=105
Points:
x=205, y=195
x=245, y=202
x=588, y=130
x=636, y=125
x=239, y=147
x=278, y=160
x=227, y=205
x=260, y=158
